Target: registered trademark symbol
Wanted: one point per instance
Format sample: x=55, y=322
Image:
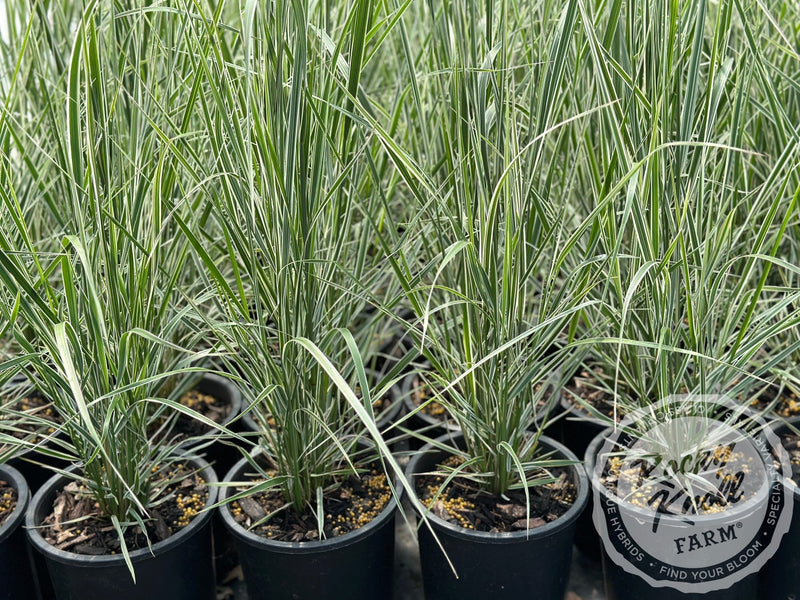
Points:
x=739, y=525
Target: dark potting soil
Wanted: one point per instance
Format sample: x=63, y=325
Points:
x=76, y=524
x=211, y=407
x=646, y=493
x=8, y=501
x=421, y=394
x=41, y=409
x=381, y=406
x=464, y=504
x=786, y=405
x=586, y=387
x=791, y=441
x=349, y=505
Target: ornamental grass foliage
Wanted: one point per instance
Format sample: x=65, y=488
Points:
x=291, y=194
x=513, y=185
x=94, y=276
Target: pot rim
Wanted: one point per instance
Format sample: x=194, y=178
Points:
x=233, y=393
x=50, y=487
x=573, y=410
x=551, y=528
x=310, y=547
x=759, y=497
x=406, y=393
x=17, y=516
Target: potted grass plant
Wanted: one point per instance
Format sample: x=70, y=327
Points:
x=312, y=507
x=697, y=290
x=497, y=287
x=92, y=298
x=694, y=374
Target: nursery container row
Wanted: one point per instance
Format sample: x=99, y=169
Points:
x=532, y=562
x=467, y=235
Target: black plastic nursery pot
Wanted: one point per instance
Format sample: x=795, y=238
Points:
x=524, y=564
x=586, y=538
x=179, y=567
x=623, y=585
x=35, y=466
x=421, y=422
x=780, y=578
x=578, y=428
x=227, y=543
x=16, y=576
x=220, y=455
x=355, y=566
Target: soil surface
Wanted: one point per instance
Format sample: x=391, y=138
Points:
x=463, y=503
x=421, y=393
x=211, y=407
x=791, y=441
x=586, y=386
x=8, y=501
x=34, y=405
x=381, y=406
x=730, y=485
x=351, y=504
x=786, y=405
x=76, y=524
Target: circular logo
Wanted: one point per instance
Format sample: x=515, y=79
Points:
x=689, y=493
